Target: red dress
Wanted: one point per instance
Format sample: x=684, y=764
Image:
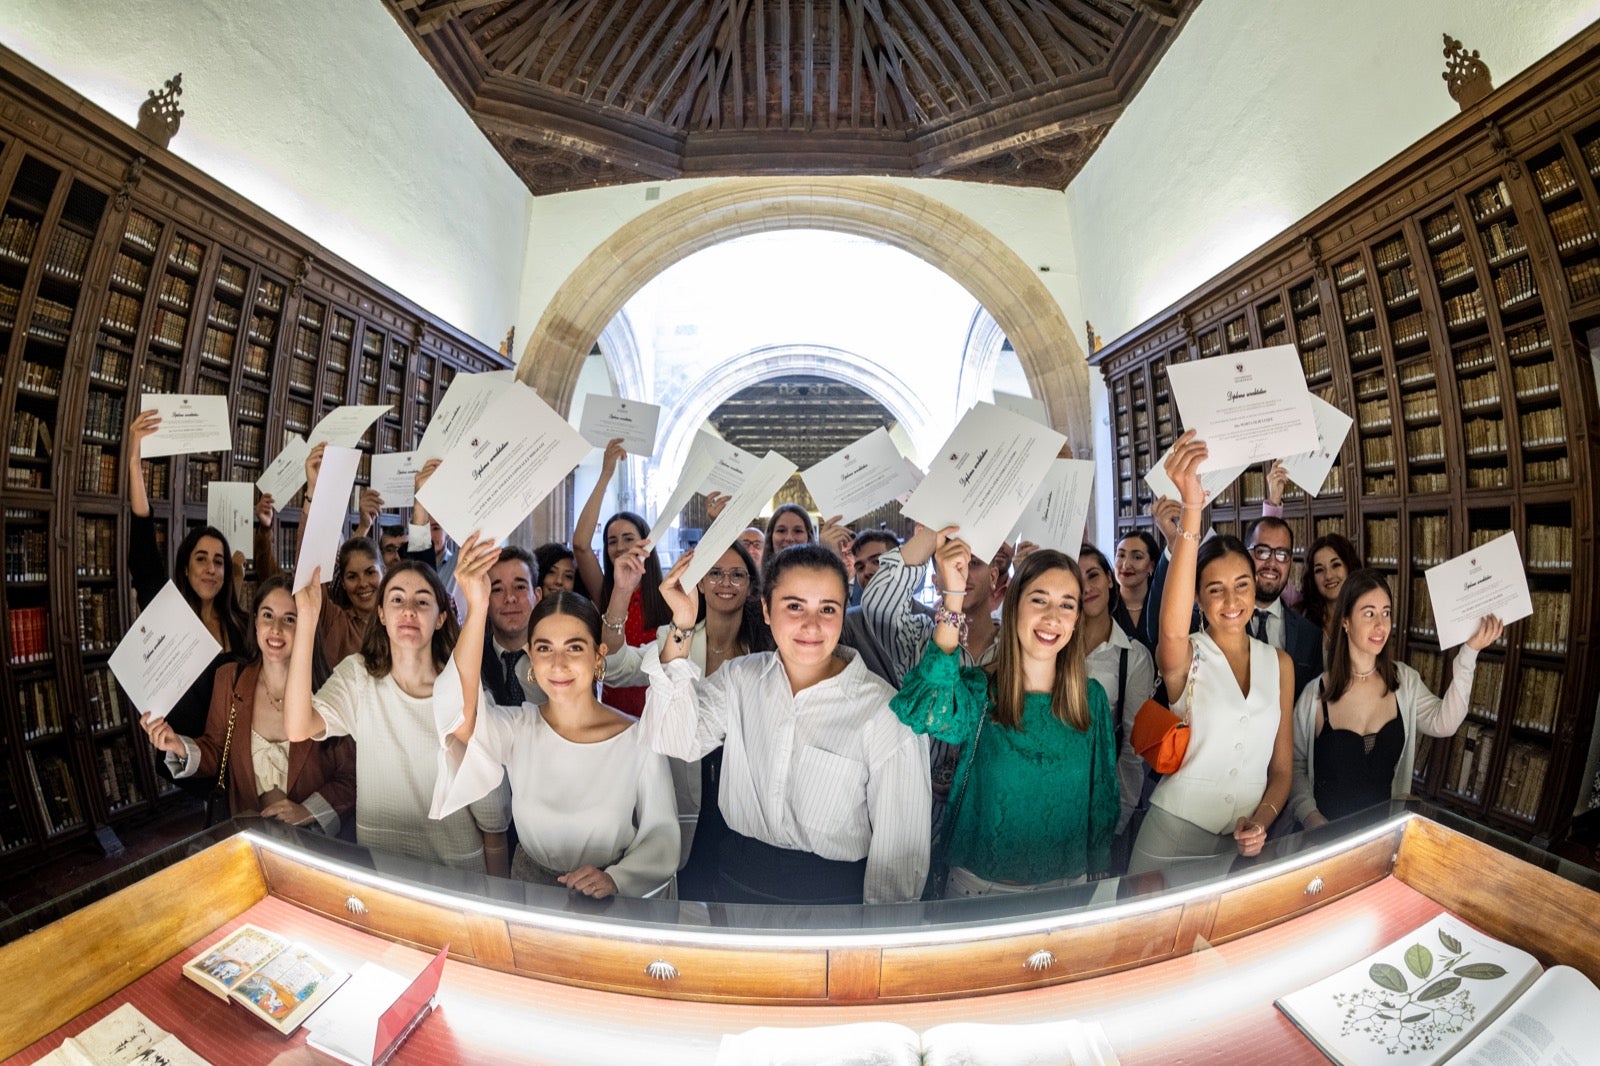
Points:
x=630, y=700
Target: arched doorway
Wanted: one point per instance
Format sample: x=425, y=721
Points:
x=899, y=216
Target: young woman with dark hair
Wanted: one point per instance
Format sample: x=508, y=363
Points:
x=593, y=806
x=382, y=697
x=1356, y=728
x=789, y=525
x=556, y=568
x=1137, y=553
x=825, y=793
x=630, y=616
x=294, y=781
x=1236, y=692
x=352, y=598
x=206, y=571
x=1035, y=800
x=1330, y=560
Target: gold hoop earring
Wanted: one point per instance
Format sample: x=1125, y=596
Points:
x=599, y=671
x=531, y=680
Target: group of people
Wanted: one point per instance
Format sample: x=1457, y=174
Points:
x=798, y=726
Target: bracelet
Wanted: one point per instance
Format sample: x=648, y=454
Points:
x=1194, y=506
x=1275, y=811
x=1186, y=535
x=615, y=627
x=958, y=595
x=678, y=633
x=946, y=617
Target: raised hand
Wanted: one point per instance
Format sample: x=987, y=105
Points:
x=477, y=555
x=1489, y=629
x=266, y=508
x=628, y=568
x=371, y=504
x=162, y=736
x=314, y=467
x=1166, y=511
x=615, y=453
x=1277, y=481
x=1183, y=467
x=421, y=477
x=308, y=601
x=835, y=535
x=684, y=601
x=715, y=502
x=144, y=424
x=950, y=560
x=1023, y=550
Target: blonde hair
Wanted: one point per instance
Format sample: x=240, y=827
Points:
x=1069, y=697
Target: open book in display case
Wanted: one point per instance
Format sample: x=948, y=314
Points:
x=1450, y=303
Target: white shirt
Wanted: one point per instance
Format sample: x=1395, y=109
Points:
x=829, y=770
x=1277, y=632
x=607, y=804
x=398, y=764
x=1102, y=664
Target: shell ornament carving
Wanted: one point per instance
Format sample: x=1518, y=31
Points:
x=354, y=905
x=1315, y=887
x=1042, y=959
x=661, y=970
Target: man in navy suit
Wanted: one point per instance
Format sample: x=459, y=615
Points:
x=1271, y=545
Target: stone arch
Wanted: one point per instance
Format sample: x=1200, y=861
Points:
x=979, y=355
x=619, y=347
x=897, y=215
x=732, y=375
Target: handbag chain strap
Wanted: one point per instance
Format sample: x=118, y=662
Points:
x=227, y=740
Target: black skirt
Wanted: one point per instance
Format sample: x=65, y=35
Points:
x=750, y=871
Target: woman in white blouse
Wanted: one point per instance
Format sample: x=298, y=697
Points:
x=593, y=806
x=1356, y=728
x=382, y=697
x=824, y=791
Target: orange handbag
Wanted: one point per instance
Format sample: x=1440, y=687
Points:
x=1160, y=737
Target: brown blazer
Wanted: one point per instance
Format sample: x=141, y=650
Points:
x=327, y=767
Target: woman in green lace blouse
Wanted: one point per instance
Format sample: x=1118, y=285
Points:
x=1035, y=799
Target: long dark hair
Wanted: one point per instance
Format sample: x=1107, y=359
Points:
x=251, y=650
x=1313, y=604
x=1151, y=549
x=754, y=633
x=783, y=509
x=230, y=612
x=1069, y=697
x=656, y=611
x=1339, y=676
x=336, y=593
x=375, y=650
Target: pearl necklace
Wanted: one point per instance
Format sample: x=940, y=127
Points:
x=1359, y=676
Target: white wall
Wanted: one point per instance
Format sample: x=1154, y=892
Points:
x=1252, y=121
x=322, y=112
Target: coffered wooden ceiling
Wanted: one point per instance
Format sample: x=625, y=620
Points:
x=803, y=416
x=584, y=93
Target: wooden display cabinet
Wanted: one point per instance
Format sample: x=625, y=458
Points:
x=1445, y=301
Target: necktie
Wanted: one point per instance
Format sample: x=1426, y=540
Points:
x=510, y=694
x=1259, y=628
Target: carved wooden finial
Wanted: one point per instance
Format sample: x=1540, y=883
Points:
x=301, y=273
x=1466, y=76
x=505, y=345
x=159, y=114
x=1313, y=252
x=1095, y=343
x=131, y=176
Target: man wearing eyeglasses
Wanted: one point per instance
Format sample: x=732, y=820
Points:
x=1271, y=545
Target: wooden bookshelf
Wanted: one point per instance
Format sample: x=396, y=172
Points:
x=117, y=280
x=1450, y=301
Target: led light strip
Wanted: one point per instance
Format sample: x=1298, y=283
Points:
x=779, y=940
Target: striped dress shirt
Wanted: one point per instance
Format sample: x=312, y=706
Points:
x=829, y=770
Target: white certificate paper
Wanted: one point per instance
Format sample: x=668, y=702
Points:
x=1310, y=469
x=768, y=476
x=1247, y=406
x=464, y=402
x=694, y=474
x=394, y=475
x=730, y=466
x=344, y=426
x=1214, y=482
x=188, y=424
x=162, y=654
x=515, y=455
x=231, y=508
x=1489, y=579
x=607, y=417
x=860, y=477
x=326, y=518
x=914, y=475
x=285, y=474
x=1056, y=515
x=984, y=476
x=1026, y=406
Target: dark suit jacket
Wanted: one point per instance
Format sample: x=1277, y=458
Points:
x=858, y=636
x=327, y=766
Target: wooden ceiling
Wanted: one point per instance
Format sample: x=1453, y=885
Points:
x=583, y=93
x=805, y=417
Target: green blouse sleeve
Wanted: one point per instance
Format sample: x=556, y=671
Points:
x=1104, y=791
x=942, y=698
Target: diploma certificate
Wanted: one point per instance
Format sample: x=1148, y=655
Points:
x=1246, y=406
x=325, y=518
x=914, y=475
x=984, y=476
x=1056, y=515
x=344, y=426
x=188, y=424
x=607, y=417
x=859, y=478
x=465, y=401
x=163, y=653
x=768, y=476
x=1489, y=579
x=1310, y=469
x=515, y=455
x=231, y=508
x=1026, y=406
x=285, y=474
x=730, y=466
x=694, y=474
x=395, y=477
x=1214, y=482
